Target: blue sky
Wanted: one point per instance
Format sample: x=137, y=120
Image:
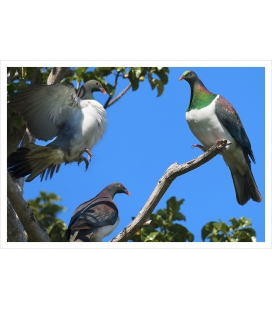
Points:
x=146, y=134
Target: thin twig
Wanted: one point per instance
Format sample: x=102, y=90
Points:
x=169, y=176
x=114, y=86
x=118, y=97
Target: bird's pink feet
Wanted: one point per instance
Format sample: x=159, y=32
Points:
x=199, y=146
x=89, y=153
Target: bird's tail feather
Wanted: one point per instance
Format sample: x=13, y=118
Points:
x=245, y=187
x=33, y=160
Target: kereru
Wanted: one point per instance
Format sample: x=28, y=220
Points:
x=96, y=218
x=211, y=117
x=78, y=121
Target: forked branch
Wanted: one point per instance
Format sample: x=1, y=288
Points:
x=166, y=180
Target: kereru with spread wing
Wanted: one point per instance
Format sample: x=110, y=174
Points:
x=96, y=218
x=77, y=120
x=211, y=117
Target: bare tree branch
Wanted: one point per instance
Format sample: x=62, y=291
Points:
x=118, y=97
x=16, y=233
x=169, y=176
x=25, y=213
x=57, y=74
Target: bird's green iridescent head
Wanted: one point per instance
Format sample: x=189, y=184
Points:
x=188, y=76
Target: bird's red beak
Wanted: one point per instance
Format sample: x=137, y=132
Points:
x=128, y=193
x=103, y=91
x=181, y=78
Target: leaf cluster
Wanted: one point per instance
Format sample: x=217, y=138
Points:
x=157, y=77
x=238, y=231
x=45, y=210
x=164, y=226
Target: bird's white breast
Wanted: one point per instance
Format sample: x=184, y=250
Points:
x=104, y=231
x=89, y=127
x=205, y=125
x=207, y=128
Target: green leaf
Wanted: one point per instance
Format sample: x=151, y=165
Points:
x=137, y=71
x=134, y=81
x=250, y=231
x=244, y=237
x=163, y=77
x=151, y=236
x=178, y=216
x=224, y=227
x=234, y=222
x=159, y=85
x=163, y=213
x=110, y=89
x=207, y=230
x=217, y=225
x=152, y=84
x=173, y=206
x=157, y=220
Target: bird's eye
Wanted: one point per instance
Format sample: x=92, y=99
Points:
x=96, y=83
x=190, y=73
x=121, y=185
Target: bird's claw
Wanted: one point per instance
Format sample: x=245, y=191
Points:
x=199, y=146
x=81, y=159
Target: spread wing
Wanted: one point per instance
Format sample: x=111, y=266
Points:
x=231, y=120
x=45, y=108
x=97, y=212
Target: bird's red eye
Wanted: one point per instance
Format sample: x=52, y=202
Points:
x=121, y=185
x=96, y=83
x=190, y=73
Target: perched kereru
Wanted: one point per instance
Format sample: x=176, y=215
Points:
x=210, y=118
x=78, y=121
x=96, y=218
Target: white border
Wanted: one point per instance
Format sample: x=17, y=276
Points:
x=134, y=245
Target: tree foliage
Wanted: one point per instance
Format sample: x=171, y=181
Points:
x=164, y=226
x=45, y=210
x=238, y=231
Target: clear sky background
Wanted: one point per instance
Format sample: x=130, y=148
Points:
x=146, y=134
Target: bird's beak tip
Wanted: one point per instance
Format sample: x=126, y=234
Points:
x=181, y=78
x=103, y=91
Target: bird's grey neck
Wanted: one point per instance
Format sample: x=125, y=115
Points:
x=85, y=95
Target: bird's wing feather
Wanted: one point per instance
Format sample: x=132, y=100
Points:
x=45, y=108
x=97, y=212
x=228, y=116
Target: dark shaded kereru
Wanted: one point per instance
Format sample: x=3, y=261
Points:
x=210, y=118
x=96, y=218
x=78, y=121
